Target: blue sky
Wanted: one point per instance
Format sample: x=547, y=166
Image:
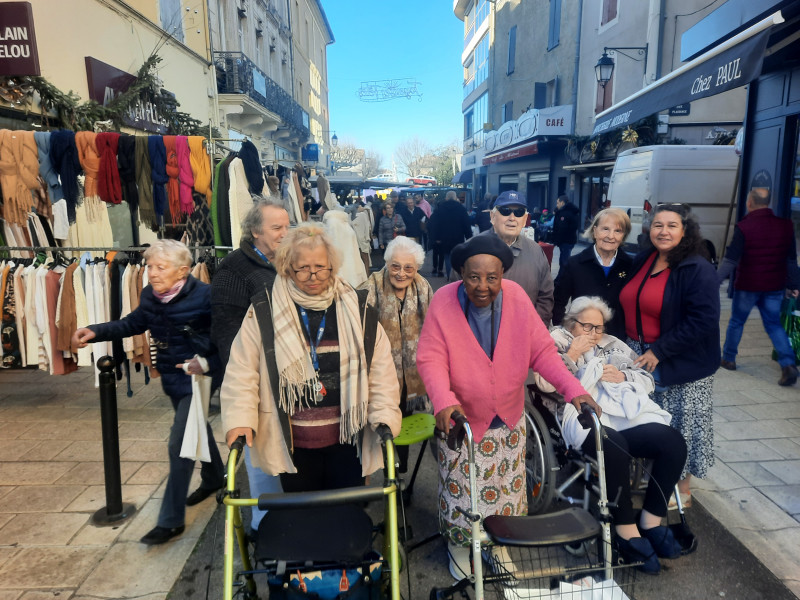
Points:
x=376, y=39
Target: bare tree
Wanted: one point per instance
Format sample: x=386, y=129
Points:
x=372, y=163
x=345, y=155
x=412, y=155
x=443, y=163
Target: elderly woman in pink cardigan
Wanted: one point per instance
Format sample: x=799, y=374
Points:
x=480, y=338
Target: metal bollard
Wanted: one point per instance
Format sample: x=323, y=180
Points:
x=115, y=510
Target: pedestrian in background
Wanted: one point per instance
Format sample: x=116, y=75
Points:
x=176, y=309
x=764, y=256
x=565, y=228
x=412, y=216
x=390, y=226
x=449, y=226
x=671, y=307
x=483, y=217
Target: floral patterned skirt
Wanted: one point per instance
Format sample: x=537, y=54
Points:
x=500, y=463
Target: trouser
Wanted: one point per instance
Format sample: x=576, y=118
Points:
x=437, y=258
x=769, y=305
x=212, y=474
x=326, y=468
x=661, y=443
x=260, y=483
x=442, y=259
x=564, y=252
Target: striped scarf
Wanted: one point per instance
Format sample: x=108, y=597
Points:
x=297, y=377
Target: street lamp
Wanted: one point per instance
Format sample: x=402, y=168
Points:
x=334, y=139
x=604, y=68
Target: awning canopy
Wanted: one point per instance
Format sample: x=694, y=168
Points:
x=730, y=65
x=463, y=177
x=603, y=164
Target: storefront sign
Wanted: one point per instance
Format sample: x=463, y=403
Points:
x=703, y=77
x=524, y=150
x=18, y=55
x=107, y=82
x=681, y=110
x=556, y=120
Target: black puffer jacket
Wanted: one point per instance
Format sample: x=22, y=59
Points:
x=450, y=225
x=565, y=225
x=242, y=275
x=182, y=328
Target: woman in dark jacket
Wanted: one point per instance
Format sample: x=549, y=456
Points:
x=601, y=270
x=672, y=308
x=176, y=308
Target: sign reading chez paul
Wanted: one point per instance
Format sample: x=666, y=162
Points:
x=106, y=82
x=18, y=55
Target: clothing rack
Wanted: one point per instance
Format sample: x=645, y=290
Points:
x=100, y=248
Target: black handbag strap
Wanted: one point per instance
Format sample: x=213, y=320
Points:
x=262, y=305
x=639, y=327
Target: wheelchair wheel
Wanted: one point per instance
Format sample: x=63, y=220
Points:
x=540, y=460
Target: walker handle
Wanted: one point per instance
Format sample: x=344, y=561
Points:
x=457, y=432
x=384, y=432
x=585, y=416
x=239, y=443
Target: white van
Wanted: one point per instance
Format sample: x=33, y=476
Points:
x=701, y=176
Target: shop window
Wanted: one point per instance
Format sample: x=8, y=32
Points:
x=609, y=12
x=554, y=29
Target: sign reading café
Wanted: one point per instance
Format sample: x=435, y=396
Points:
x=18, y=55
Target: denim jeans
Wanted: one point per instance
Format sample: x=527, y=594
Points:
x=260, y=483
x=769, y=305
x=212, y=474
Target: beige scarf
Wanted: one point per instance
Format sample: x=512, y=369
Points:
x=296, y=371
x=402, y=328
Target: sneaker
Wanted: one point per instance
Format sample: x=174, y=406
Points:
x=640, y=550
x=460, y=566
x=788, y=375
x=727, y=364
x=663, y=542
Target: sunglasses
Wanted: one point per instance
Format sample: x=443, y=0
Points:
x=507, y=210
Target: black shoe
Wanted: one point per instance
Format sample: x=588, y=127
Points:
x=662, y=541
x=200, y=494
x=159, y=535
x=788, y=375
x=637, y=550
x=727, y=364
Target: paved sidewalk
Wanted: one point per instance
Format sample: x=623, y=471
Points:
x=51, y=480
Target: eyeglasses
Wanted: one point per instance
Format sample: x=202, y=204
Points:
x=507, y=210
x=305, y=273
x=587, y=327
x=394, y=268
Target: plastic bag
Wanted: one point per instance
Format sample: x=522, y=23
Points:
x=790, y=319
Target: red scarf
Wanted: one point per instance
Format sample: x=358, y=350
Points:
x=108, y=185
x=173, y=170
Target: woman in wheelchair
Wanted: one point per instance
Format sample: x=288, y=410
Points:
x=635, y=427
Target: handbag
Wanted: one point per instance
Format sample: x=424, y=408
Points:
x=790, y=320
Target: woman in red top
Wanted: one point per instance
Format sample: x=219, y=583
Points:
x=671, y=307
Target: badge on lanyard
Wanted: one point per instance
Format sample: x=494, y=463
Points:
x=312, y=349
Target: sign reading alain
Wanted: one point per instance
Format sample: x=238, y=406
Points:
x=18, y=55
x=107, y=82
x=732, y=68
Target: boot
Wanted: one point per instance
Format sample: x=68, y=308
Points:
x=788, y=375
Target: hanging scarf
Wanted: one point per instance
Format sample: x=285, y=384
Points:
x=19, y=171
x=64, y=157
x=252, y=167
x=402, y=326
x=126, y=156
x=86, y=141
x=46, y=169
x=186, y=178
x=296, y=372
x=109, y=187
x=144, y=183
x=173, y=170
x=201, y=166
x=158, y=173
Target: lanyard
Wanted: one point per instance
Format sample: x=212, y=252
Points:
x=261, y=254
x=312, y=346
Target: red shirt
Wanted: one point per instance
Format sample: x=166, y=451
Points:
x=650, y=302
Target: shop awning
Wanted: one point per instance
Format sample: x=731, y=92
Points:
x=603, y=164
x=730, y=65
x=463, y=177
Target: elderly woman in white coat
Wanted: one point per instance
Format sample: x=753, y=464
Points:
x=311, y=408
x=635, y=427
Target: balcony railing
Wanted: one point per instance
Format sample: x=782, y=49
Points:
x=237, y=74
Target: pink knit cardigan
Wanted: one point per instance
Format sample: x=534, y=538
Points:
x=456, y=370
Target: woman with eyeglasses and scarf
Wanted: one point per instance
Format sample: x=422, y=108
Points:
x=300, y=385
x=671, y=306
x=401, y=296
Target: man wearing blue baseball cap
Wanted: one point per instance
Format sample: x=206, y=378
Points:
x=530, y=269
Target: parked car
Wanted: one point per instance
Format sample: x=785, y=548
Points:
x=422, y=180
